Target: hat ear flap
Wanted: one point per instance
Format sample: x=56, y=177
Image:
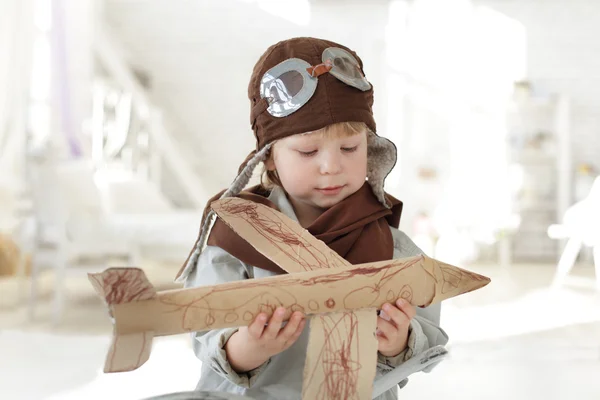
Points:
x=381, y=159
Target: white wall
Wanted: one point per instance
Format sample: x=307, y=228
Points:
x=563, y=55
x=200, y=55
x=16, y=35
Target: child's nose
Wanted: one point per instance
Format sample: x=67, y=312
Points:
x=330, y=163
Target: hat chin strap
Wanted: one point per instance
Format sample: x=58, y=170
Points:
x=381, y=158
x=238, y=184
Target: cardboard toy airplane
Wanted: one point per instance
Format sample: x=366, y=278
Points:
x=341, y=299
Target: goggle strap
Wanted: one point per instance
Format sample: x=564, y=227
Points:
x=320, y=69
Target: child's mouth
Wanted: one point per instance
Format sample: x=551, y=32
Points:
x=330, y=190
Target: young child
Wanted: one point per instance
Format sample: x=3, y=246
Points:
x=311, y=112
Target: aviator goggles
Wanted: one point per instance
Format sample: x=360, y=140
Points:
x=290, y=84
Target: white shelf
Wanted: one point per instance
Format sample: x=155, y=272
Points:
x=538, y=142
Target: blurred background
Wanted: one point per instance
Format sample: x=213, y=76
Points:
x=120, y=118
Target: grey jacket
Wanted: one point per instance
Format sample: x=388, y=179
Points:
x=281, y=376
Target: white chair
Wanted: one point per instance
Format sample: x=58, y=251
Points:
x=74, y=224
x=581, y=227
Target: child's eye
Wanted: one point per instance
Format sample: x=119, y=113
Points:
x=349, y=149
x=307, y=153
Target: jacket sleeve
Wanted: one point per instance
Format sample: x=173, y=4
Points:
x=216, y=266
x=424, y=330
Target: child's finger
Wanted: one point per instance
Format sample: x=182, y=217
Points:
x=383, y=315
x=397, y=317
x=299, y=330
x=301, y=326
x=291, y=327
x=406, y=308
x=382, y=342
x=274, y=324
x=256, y=328
x=387, y=328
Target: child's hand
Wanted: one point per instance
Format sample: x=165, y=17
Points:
x=392, y=327
x=251, y=346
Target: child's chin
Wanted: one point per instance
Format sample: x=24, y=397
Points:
x=329, y=202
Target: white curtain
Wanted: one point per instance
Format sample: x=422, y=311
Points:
x=16, y=33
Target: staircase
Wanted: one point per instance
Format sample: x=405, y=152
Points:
x=188, y=56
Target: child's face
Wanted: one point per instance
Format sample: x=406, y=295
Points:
x=319, y=171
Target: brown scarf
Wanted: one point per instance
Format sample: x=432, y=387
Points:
x=357, y=228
